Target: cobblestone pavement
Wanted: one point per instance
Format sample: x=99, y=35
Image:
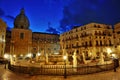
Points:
x=6, y=74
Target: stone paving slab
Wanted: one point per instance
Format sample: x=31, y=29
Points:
x=6, y=74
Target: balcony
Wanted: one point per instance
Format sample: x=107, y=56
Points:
x=76, y=46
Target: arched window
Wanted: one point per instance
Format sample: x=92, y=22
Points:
x=77, y=51
x=94, y=25
x=21, y=35
x=98, y=26
x=99, y=33
x=90, y=43
x=110, y=42
x=100, y=43
x=96, y=43
x=21, y=27
x=86, y=43
x=95, y=32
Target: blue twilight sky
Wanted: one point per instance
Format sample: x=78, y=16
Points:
x=61, y=15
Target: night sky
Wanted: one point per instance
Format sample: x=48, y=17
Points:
x=56, y=16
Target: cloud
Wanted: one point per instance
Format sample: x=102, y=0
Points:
x=6, y=18
x=51, y=29
x=80, y=12
x=10, y=17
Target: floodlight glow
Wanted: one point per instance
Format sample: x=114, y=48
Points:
x=21, y=55
x=56, y=53
x=114, y=56
x=38, y=54
x=6, y=56
x=29, y=55
x=90, y=53
x=65, y=57
x=109, y=50
x=14, y=55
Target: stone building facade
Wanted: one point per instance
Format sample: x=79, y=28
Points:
x=89, y=41
x=21, y=41
x=3, y=27
x=117, y=38
x=45, y=43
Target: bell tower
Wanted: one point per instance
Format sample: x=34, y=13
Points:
x=21, y=35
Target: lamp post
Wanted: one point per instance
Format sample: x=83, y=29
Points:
x=6, y=56
x=14, y=58
x=65, y=57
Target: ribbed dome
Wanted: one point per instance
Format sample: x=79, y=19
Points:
x=21, y=21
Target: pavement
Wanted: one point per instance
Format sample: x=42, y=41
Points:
x=6, y=74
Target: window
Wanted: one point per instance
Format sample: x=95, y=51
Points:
x=100, y=43
x=98, y=26
x=110, y=42
x=95, y=32
x=34, y=48
x=90, y=43
x=99, y=33
x=85, y=43
x=94, y=25
x=96, y=43
x=118, y=32
x=21, y=35
x=21, y=27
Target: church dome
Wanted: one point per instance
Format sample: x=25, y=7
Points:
x=21, y=21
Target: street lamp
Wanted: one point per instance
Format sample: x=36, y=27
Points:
x=14, y=59
x=7, y=56
x=37, y=56
x=29, y=55
x=109, y=51
x=65, y=57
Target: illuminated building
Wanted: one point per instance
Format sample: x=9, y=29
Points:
x=89, y=41
x=117, y=38
x=3, y=27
